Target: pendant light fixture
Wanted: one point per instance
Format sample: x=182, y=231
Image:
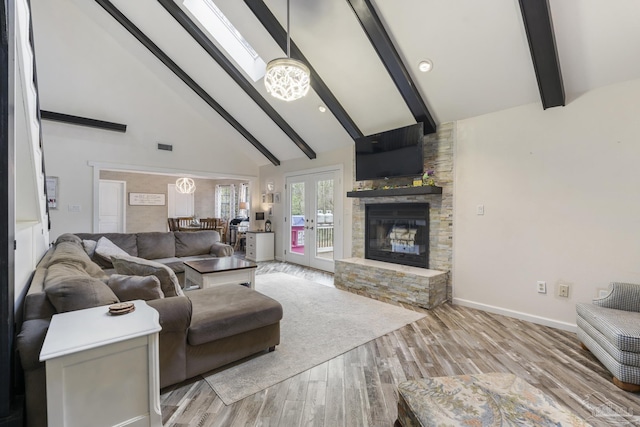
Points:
x=185, y=185
x=286, y=78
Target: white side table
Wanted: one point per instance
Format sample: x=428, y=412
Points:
x=103, y=370
x=260, y=246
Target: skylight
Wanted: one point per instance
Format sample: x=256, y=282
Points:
x=218, y=26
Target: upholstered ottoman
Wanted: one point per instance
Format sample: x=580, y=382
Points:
x=233, y=318
x=479, y=400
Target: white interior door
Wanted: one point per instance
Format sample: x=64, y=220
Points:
x=112, y=206
x=179, y=204
x=312, y=221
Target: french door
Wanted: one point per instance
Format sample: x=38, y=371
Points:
x=313, y=225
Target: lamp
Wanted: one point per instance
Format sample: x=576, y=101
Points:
x=185, y=185
x=243, y=206
x=286, y=78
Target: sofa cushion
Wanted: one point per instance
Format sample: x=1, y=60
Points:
x=67, y=252
x=125, y=241
x=176, y=264
x=80, y=292
x=68, y=237
x=227, y=310
x=195, y=242
x=135, y=266
x=129, y=288
x=156, y=245
x=621, y=328
x=61, y=272
x=106, y=249
x=89, y=247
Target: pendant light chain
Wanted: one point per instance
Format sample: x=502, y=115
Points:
x=288, y=31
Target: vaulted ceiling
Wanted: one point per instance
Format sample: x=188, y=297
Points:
x=365, y=56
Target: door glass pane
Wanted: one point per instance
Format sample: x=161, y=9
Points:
x=324, y=219
x=297, y=218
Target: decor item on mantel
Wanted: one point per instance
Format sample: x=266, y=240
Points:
x=429, y=178
x=287, y=78
x=185, y=185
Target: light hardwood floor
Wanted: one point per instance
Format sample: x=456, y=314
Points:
x=358, y=388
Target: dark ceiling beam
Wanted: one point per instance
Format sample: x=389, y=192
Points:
x=215, y=53
x=279, y=34
x=383, y=45
x=81, y=121
x=164, y=58
x=542, y=43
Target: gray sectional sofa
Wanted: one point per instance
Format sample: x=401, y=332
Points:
x=202, y=329
x=169, y=248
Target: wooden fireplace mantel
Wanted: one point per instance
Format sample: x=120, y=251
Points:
x=404, y=191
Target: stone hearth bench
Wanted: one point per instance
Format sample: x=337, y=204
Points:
x=479, y=400
x=411, y=285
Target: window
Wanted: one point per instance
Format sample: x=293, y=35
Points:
x=225, y=206
x=243, y=196
x=219, y=28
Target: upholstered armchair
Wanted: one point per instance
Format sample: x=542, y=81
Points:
x=610, y=329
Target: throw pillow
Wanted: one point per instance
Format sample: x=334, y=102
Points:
x=89, y=247
x=128, y=288
x=106, y=249
x=80, y=292
x=134, y=266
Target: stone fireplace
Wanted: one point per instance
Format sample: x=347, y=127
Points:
x=429, y=284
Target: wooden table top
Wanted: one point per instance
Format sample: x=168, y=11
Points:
x=217, y=265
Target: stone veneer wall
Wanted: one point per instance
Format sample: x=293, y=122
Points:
x=411, y=285
x=438, y=156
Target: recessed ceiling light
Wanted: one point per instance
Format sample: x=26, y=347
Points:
x=322, y=108
x=425, y=66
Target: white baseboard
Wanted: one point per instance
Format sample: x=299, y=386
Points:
x=517, y=315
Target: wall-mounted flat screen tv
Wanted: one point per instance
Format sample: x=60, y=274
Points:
x=393, y=153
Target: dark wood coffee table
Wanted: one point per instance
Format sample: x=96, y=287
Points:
x=206, y=273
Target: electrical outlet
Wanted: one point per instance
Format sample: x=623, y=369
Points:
x=74, y=208
x=480, y=210
x=542, y=287
x=563, y=291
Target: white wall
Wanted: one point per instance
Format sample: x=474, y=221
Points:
x=82, y=62
x=560, y=189
x=276, y=175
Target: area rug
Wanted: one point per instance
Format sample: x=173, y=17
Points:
x=319, y=323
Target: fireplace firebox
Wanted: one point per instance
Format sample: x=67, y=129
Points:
x=398, y=233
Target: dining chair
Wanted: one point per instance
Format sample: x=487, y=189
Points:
x=222, y=228
x=174, y=225
x=184, y=222
x=208, y=223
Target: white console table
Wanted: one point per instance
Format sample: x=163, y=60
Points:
x=103, y=370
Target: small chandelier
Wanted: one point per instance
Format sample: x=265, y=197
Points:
x=185, y=185
x=286, y=78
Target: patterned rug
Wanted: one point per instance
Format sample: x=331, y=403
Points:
x=494, y=399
